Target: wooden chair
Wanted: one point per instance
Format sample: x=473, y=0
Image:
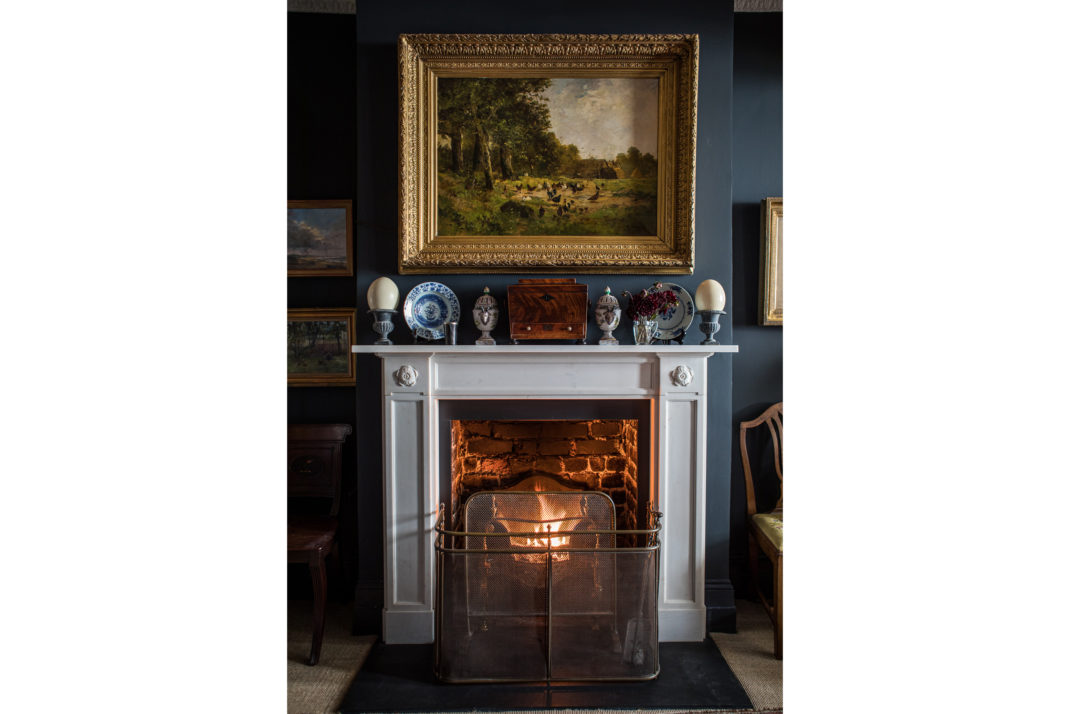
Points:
x=767, y=529
x=314, y=465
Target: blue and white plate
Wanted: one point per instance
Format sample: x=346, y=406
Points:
x=428, y=307
x=679, y=318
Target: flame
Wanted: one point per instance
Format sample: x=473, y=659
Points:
x=552, y=521
x=557, y=542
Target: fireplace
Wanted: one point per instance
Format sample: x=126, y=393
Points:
x=662, y=389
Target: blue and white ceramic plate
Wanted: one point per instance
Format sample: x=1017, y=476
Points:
x=428, y=307
x=679, y=317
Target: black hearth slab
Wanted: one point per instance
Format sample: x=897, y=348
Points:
x=399, y=678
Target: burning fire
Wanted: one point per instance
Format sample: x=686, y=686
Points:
x=551, y=520
x=555, y=542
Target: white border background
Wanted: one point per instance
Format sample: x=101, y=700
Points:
x=144, y=182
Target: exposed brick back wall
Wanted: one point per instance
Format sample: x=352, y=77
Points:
x=598, y=455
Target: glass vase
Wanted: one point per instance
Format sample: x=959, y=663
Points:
x=644, y=330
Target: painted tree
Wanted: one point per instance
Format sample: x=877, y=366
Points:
x=636, y=164
x=504, y=116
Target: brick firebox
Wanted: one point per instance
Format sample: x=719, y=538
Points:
x=594, y=454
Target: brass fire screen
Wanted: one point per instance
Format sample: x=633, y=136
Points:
x=540, y=586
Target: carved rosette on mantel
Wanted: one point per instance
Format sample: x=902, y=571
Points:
x=682, y=375
x=406, y=375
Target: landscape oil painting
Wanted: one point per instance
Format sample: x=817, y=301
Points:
x=548, y=156
x=318, y=347
x=527, y=153
x=319, y=238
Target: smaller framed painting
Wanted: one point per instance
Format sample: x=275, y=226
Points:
x=318, y=347
x=771, y=300
x=319, y=238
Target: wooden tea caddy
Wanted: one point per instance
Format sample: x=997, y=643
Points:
x=547, y=309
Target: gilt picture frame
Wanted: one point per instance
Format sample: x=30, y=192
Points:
x=319, y=238
x=319, y=347
x=547, y=153
x=771, y=297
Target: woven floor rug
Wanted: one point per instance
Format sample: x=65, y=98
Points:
x=319, y=689
x=749, y=652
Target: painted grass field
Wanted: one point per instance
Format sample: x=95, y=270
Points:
x=320, y=362
x=317, y=347
x=526, y=206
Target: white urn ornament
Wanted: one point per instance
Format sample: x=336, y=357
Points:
x=485, y=313
x=607, y=316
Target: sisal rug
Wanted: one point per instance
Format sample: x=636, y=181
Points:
x=749, y=652
x=319, y=689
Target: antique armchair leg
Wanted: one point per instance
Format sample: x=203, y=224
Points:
x=318, y=570
x=778, y=608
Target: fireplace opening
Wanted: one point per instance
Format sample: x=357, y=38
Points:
x=547, y=455
x=546, y=545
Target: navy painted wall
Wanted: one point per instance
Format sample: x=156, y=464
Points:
x=757, y=172
x=322, y=139
x=322, y=163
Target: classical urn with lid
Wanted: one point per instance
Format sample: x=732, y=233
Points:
x=485, y=314
x=607, y=315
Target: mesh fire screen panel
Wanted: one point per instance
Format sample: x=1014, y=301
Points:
x=541, y=586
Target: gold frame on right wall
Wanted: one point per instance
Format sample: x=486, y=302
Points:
x=771, y=297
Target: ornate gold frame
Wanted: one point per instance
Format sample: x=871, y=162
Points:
x=771, y=298
x=672, y=59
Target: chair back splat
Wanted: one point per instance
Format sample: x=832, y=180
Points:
x=766, y=530
x=773, y=419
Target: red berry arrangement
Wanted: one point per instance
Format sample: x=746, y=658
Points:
x=649, y=303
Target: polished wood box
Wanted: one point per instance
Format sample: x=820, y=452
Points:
x=547, y=309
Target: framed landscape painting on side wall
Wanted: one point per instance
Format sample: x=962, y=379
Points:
x=547, y=153
x=319, y=238
x=318, y=347
x=771, y=298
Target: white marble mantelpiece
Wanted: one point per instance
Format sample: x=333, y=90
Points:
x=416, y=377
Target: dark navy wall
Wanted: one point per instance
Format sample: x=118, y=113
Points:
x=757, y=172
x=322, y=163
x=318, y=156
x=378, y=27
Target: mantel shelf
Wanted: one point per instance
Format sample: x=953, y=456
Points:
x=543, y=349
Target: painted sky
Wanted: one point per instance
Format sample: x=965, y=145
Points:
x=603, y=117
x=317, y=227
